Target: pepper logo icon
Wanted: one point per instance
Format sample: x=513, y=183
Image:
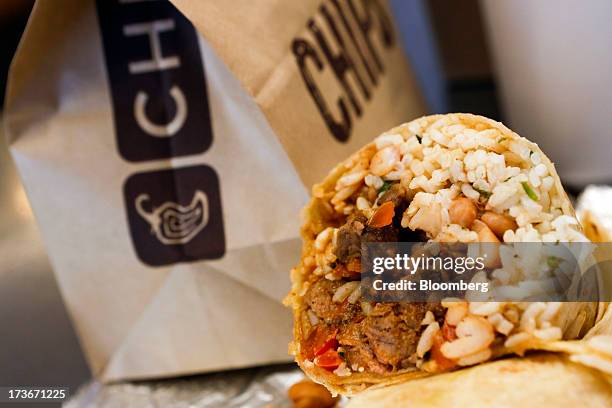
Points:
x=173, y=223
x=175, y=215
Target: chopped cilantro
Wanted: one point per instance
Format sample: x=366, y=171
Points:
x=419, y=138
x=386, y=185
x=501, y=139
x=484, y=193
x=553, y=262
x=529, y=191
x=342, y=354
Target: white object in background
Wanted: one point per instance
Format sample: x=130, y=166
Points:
x=595, y=214
x=554, y=64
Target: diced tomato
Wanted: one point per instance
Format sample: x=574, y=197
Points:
x=331, y=343
x=443, y=363
x=448, y=332
x=321, y=338
x=383, y=215
x=330, y=360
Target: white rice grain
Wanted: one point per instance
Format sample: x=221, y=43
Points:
x=552, y=308
x=469, y=192
x=475, y=358
x=426, y=341
x=548, y=334
x=351, y=178
x=362, y=204
x=500, y=323
x=384, y=160
x=374, y=181
x=366, y=307
x=343, y=194
x=344, y=291
x=456, y=312
x=323, y=239
x=528, y=319
x=342, y=370
x=388, y=140
x=484, y=308
x=474, y=334
x=355, y=295
x=312, y=317
x=429, y=318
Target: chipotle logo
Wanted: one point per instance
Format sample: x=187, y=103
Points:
x=175, y=215
x=349, y=52
x=160, y=111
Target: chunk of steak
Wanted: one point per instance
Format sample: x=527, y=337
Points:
x=358, y=352
x=393, y=331
x=391, y=339
x=386, y=339
x=384, y=234
x=356, y=231
x=413, y=313
x=348, y=244
x=383, y=341
x=362, y=356
x=396, y=194
x=319, y=298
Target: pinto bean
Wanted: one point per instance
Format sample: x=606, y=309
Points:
x=484, y=232
x=462, y=211
x=307, y=394
x=488, y=249
x=309, y=402
x=498, y=223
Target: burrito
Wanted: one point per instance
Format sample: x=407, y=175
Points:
x=441, y=178
x=543, y=380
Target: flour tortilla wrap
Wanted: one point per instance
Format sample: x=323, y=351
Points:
x=428, y=163
x=544, y=380
x=578, y=374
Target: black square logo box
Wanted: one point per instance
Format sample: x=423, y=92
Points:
x=175, y=215
x=156, y=78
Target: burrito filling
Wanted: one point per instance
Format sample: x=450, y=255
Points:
x=440, y=182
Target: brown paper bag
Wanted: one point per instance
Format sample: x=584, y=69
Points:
x=166, y=166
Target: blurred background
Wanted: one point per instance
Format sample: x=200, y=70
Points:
x=544, y=68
